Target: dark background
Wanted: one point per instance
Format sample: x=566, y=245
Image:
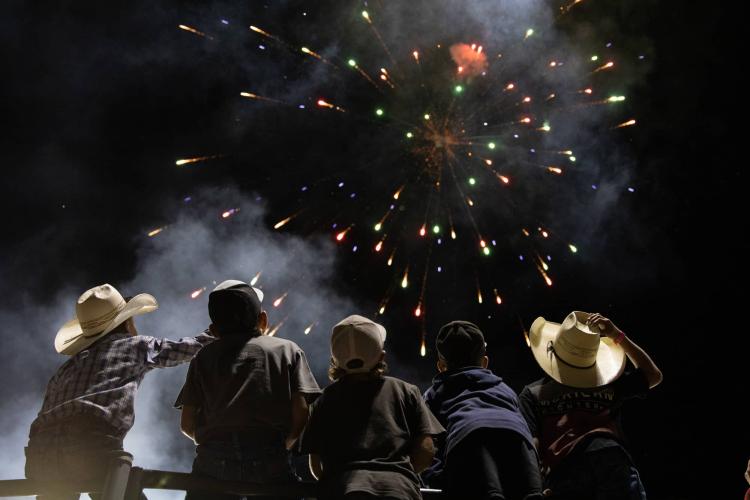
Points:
x=97, y=105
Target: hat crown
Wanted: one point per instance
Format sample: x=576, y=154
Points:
x=575, y=343
x=98, y=306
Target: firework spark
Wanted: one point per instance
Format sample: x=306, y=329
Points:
x=185, y=161
x=280, y=300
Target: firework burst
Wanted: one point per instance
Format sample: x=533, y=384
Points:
x=466, y=135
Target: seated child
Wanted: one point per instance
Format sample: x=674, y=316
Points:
x=488, y=450
x=368, y=435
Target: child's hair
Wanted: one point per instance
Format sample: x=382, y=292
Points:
x=336, y=373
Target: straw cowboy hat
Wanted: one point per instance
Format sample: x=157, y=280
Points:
x=98, y=311
x=573, y=354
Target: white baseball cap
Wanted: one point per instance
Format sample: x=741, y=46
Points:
x=357, y=344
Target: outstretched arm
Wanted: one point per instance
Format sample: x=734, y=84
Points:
x=165, y=353
x=635, y=354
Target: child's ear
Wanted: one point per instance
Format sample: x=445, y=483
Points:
x=263, y=322
x=485, y=361
x=441, y=366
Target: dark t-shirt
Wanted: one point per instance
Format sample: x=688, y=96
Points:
x=245, y=384
x=565, y=418
x=363, y=429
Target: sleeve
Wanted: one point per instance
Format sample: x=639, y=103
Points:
x=432, y=477
x=190, y=394
x=423, y=422
x=310, y=441
x=631, y=385
x=301, y=377
x=165, y=353
x=530, y=410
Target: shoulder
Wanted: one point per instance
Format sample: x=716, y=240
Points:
x=534, y=388
x=211, y=349
x=275, y=343
x=401, y=386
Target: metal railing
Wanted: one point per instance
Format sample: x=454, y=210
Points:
x=125, y=482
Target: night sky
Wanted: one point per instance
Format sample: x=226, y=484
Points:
x=99, y=101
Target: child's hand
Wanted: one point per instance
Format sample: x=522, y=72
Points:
x=604, y=325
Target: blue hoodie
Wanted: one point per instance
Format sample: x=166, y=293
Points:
x=468, y=399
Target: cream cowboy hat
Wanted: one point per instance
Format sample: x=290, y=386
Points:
x=573, y=354
x=98, y=311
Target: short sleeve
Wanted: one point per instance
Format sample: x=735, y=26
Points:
x=631, y=385
x=302, y=379
x=530, y=410
x=423, y=421
x=190, y=393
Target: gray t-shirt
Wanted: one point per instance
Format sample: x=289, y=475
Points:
x=363, y=430
x=245, y=384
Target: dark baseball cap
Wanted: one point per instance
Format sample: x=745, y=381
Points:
x=460, y=343
x=234, y=307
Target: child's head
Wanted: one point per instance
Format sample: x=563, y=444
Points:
x=356, y=347
x=235, y=309
x=460, y=344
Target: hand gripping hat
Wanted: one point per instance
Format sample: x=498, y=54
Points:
x=357, y=344
x=573, y=354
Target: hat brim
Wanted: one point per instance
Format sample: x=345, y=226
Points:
x=70, y=339
x=610, y=359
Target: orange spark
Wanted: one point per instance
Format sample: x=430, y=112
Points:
x=626, y=124
x=185, y=161
x=282, y=223
x=278, y=301
x=191, y=30
x=555, y=170
x=196, y=293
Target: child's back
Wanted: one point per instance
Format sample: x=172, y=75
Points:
x=367, y=429
x=488, y=450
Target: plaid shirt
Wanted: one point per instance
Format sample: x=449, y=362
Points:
x=99, y=383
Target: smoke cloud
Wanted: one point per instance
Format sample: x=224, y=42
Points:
x=197, y=250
